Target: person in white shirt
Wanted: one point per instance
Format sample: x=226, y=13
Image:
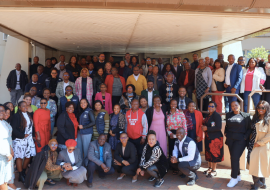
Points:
x=186, y=157
x=62, y=60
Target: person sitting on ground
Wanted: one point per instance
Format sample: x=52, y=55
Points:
x=186, y=157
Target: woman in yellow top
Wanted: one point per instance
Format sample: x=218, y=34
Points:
x=31, y=108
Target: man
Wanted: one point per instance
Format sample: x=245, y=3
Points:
x=127, y=59
x=111, y=60
x=137, y=80
x=187, y=78
x=62, y=61
x=186, y=157
x=16, y=81
x=156, y=78
x=88, y=59
x=41, y=76
x=35, y=99
x=179, y=60
x=178, y=69
x=63, y=70
x=233, y=78
x=149, y=93
x=195, y=63
x=101, y=62
x=207, y=63
x=48, y=67
x=33, y=68
x=241, y=61
x=61, y=86
x=95, y=59
x=100, y=159
x=160, y=65
x=154, y=62
x=168, y=90
x=182, y=101
x=137, y=126
x=221, y=59
x=83, y=63
x=91, y=68
x=211, y=62
x=34, y=82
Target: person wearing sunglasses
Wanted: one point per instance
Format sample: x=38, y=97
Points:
x=69, y=96
x=213, y=143
x=71, y=161
x=42, y=125
x=237, y=132
x=125, y=158
x=258, y=147
x=51, y=83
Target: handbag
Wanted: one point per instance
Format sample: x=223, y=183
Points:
x=220, y=85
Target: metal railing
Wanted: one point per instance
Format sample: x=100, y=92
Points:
x=253, y=92
x=222, y=94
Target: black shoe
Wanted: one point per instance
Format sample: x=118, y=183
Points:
x=159, y=183
x=191, y=182
x=182, y=175
x=89, y=185
x=21, y=177
x=23, y=173
x=151, y=178
x=253, y=188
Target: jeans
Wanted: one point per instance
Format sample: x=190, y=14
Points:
x=92, y=167
x=255, y=97
x=52, y=127
x=186, y=169
x=15, y=96
x=83, y=141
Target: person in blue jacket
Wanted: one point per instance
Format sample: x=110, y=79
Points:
x=69, y=96
x=233, y=78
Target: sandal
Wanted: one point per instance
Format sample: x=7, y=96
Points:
x=175, y=172
x=49, y=182
x=213, y=173
x=207, y=171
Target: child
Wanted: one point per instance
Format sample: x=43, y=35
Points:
x=105, y=98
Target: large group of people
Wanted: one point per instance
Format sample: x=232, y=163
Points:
x=72, y=119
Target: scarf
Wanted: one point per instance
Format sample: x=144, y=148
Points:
x=69, y=97
x=166, y=75
x=74, y=121
x=169, y=90
x=188, y=120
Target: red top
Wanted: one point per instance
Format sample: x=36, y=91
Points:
x=74, y=121
x=109, y=83
x=249, y=80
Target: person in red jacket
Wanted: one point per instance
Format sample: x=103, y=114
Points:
x=116, y=85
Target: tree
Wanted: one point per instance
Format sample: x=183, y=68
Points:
x=260, y=52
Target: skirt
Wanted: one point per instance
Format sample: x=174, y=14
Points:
x=76, y=176
x=5, y=170
x=24, y=148
x=214, y=149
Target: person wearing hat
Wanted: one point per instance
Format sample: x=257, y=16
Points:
x=44, y=169
x=71, y=162
x=127, y=97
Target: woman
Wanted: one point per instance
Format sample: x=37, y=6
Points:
x=213, y=143
x=11, y=107
x=217, y=85
x=102, y=120
x=22, y=136
x=54, y=61
x=98, y=79
x=51, y=83
x=84, y=86
x=67, y=125
x=175, y=120
x=6, y=152
x=150, y=70
x=27, y=98
x=134, y=62
x=8, y=115
x=156, y=117
x=258, y=148
x=125, y=158
x=169, y=69
x=86, y=120
x=107, y=69
x=203, y=81
x=118, y=125
x=51, y=106
x=74, y=172
x=69, y=97
x=43, y=169
x=143, y=103
x=237, y=132
x=116, y=85
x=42, y=125
x=253, y=79
x=124, y=71
x=105, y=98
x=127, y=97
x=74, y=67
x=153, y=160
x=194, y=121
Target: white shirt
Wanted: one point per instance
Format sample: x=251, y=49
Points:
x=72, y=160
x=18, y=73
x=57, y=65
x=228, y=72
x=150, y=98
x=191, y=151
x=25, y=115
x=65, y=85
x=136, y=77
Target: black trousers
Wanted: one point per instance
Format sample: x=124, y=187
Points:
x=138, y=146
x=171, y=143
x=205, y=105
x=129, y=170
x=186, y=169
x=236, y=149
x=115, y=100
x=258, y=181
x=190, y=91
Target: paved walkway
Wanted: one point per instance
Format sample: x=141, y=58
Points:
x=171, y=182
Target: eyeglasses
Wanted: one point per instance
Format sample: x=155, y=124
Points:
x=62, y=65
x=123, y=138
x=240, y=59
x=148, y=60
x=211, y=106
x=69, y=90
x=43, y=102
x=261, y=108
x=71, y=149
x=66, y=75
x=55, y=145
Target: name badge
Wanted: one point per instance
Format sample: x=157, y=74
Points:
x=213, y=124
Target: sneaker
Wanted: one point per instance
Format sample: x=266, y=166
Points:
x=191, y=182
x=151, y=178
x=239, y=177
x=233, y=182
x=159, y=183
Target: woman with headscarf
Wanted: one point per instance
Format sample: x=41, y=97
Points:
x=73, y=170
x=69, y=97
x=127, y=97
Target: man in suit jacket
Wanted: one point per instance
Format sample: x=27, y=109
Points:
x=195, y=63
x=233, y=78
x=149, y=93
x=187, y=78
x=182, y=101
x=178, y=69
x=100, y=159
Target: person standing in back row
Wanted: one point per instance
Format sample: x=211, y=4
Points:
x=137, y=80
